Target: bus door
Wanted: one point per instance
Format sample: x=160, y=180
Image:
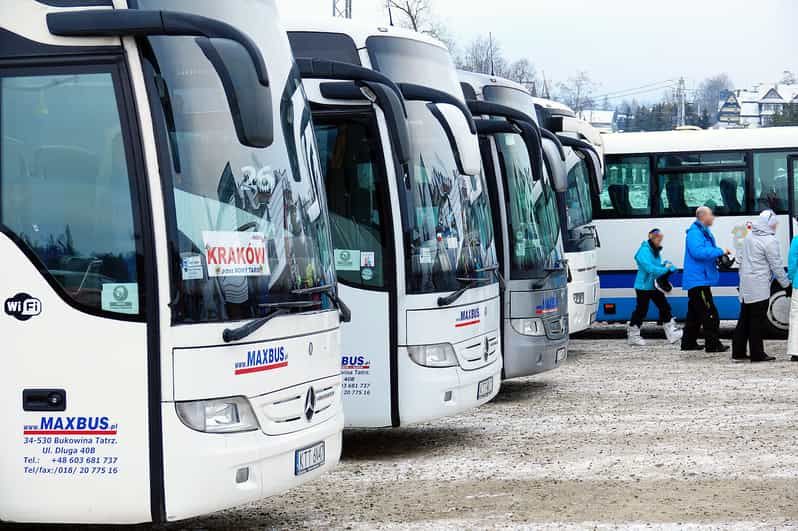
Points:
x=353, y=161
x=792, y=171
x=74, y=382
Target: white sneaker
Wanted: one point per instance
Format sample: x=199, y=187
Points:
x=634, y=337
x=672, y=332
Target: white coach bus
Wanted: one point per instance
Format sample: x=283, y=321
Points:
x=584, y=153
x=411, y=222
x=171, y=324
x=657, y=180
x=526, y=220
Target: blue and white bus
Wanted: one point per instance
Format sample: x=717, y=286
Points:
x=657, y=180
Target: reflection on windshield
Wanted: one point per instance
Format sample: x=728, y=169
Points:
x=251, y=224
x=533, y=231
x=580, y=210
x=446, y=215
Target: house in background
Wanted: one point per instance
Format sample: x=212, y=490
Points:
x=756, y=106
x=604, y=121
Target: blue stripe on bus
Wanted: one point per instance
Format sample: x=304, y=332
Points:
x=728, y=308
x=626, y=279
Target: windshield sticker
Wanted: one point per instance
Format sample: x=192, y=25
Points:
x=23, y=307
x=427, y=256
x=347, y=260
x=191, y=266
x=467, y=318
x=235, y=254
x=368, y=259
x=367, y=274
x=262, y=360
x=80, y=447
x=120, y=298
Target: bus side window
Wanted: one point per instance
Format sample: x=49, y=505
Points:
x=770, y=181
x=356, y=191
x=683, y=192
x=627, y=188
x=65, y=189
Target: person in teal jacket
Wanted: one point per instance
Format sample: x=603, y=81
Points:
x=649, y=286
x=792, y=272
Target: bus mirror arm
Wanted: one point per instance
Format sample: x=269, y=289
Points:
x=245, y=80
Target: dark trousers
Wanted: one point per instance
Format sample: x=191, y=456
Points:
x=701, y=311
x=750, y=330
x=644, y=298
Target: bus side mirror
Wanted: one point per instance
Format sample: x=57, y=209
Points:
x=559, y=175
x=394, y=111
x=250, y=101
x=465, y=141
x=598, y=170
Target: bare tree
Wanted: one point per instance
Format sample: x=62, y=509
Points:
x=414, y=14
x=483, y=55
x=709, y=93
x=522, y=71
x=577, y=92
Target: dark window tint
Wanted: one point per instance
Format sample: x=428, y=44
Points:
x=626, y=190
x=357, y=196
x=329, y=46
x=770, y=182
x=65, y=185
x=682, y=193
x=695, y=160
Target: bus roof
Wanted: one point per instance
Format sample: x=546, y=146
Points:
x=358, y=31
x=705, y=140
x=479, y=81
x=555, y=107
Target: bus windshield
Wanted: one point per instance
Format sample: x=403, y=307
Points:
x=532, y=223
x=248, y=226
x=580, y=209
x=446, y=216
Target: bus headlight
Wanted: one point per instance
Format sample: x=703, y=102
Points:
x=529, y=327
x=579, y=298
x=441, y=355
x=223, y=415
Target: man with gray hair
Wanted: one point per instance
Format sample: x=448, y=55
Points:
x=760, y=263
x=700, y=274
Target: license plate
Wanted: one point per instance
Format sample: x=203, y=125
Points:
x=308, y=459
x=485, y=388
x=561, y=354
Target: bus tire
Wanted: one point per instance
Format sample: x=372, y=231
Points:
x=778, y=316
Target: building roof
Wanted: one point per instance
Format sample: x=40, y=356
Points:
x=595, y=116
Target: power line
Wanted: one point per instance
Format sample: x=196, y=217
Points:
x=651, y=86
x=638, y=93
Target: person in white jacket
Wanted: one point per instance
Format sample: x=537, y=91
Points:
x=761, y=262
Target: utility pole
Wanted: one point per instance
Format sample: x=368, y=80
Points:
x=342, y=8
x=492, y=62
x=681, y=96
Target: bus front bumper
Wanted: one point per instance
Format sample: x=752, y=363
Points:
x=431, y=393
x=203, y=472
x=530, y=355
x=583, y=301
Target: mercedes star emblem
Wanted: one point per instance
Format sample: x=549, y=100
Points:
x=310, y=404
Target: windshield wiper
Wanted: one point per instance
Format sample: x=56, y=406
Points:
x=549, y=272
x=495, y=270
x=330, y=291
x=277, y=309
x=472, y=283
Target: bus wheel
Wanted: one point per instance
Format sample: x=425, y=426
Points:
x=778, y=315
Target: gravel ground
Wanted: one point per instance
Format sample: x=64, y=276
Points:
x=646, y=438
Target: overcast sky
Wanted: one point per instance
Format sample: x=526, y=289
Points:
x=622, y=44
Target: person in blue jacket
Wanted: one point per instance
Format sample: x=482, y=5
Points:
x=650, y=286
x=700, y=274
x=792, y=272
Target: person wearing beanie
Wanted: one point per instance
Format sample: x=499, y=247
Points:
x=652, y=284
x=760, y=263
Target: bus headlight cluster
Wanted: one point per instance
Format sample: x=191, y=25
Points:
x=579, y=298
x=224, y=415
x=529, y=327
x=441, y=355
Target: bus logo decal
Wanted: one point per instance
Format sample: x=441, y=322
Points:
x=467, y=318
x=550, y=305
x=22, y=307
x=72, y=426
x=261, y=360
